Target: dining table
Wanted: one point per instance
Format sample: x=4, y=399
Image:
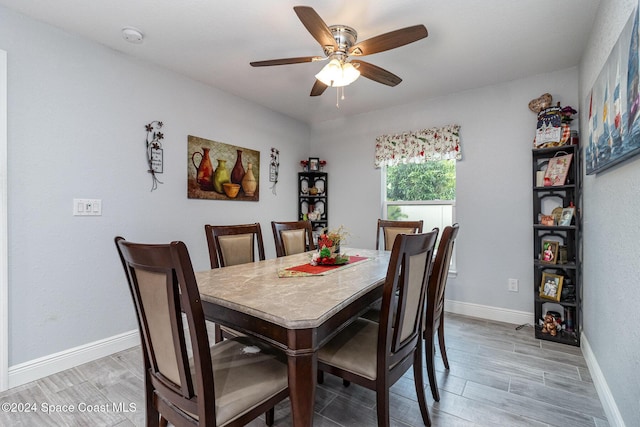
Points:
x=294, y=306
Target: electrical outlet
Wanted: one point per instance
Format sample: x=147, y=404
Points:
x=513, y=285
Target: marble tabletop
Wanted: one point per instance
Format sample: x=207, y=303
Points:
x=292, y=302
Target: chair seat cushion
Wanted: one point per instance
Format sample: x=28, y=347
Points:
x=246, y=373
x=354, y=349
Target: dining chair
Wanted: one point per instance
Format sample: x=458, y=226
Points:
x=231, y=245
x=292, y=237
x=434, y=318
x=390, y=229
x=187, y=382
x=376, y=354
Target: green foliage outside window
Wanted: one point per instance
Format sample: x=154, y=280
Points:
x=422, y=181
x=394, y=213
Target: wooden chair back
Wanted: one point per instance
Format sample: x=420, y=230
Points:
x=434, y=316
x=179, y=364
x=401, y=312
x=376, y=355
x=163, y=287
x=233, y=244
x=390, y=229
x=439, y=274
x=292, y=237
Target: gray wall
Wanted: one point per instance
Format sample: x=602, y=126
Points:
x=612, y=233
x=76, y=129
x=493, y=199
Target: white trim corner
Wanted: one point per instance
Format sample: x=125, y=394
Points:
x=614, y=417
x=498, y=314
x=57, y=362
x=4, y=228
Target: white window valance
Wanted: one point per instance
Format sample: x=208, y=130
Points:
x=418, y=146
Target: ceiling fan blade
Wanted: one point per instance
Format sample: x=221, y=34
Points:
x=377, y=74
x=285, y=61
x=389, y=40
x=318, y=88
x=316, y=26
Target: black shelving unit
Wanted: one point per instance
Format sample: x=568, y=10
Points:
x=308, y=202
x=568, y=236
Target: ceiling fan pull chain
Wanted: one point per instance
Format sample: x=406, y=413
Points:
x=337, y=97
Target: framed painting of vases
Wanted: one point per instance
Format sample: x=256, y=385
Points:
x=219, y=171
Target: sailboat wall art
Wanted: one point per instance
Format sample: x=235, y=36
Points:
x=614, y=104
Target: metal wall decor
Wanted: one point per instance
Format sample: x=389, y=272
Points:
x=154, y=151
x=274, y=166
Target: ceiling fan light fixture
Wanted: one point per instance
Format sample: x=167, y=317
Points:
x=338, y=74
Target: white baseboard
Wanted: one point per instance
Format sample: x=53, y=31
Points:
x=488, y=312
x=48, y=365
x=520, y=317
x=53, y=363
x=604, y=393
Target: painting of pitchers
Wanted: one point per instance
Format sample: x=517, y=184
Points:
x=219, y=171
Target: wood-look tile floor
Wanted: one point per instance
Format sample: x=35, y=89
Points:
x=499, y=377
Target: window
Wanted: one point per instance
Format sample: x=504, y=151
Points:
x=421, y=191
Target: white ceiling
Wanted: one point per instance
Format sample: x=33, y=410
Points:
x=471, y=44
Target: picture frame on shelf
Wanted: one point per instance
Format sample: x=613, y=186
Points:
x=551, y=286
x=557, y=169
x=547, y=220
x=549, y=253
x=549, y=127
x=566, y=216
x=314, y=164
x=557, y=214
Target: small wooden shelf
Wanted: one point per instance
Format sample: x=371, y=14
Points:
x=565, y=266
x=554, y=227
x=541, y=300
x=563, y=337
x=570, y=236
x=320, y=180
x=555, y=188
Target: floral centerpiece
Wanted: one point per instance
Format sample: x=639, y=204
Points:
x=329, y=248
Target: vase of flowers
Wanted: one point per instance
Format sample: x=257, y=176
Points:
x=329, y=247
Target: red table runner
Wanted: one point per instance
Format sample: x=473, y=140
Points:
x=317, y=270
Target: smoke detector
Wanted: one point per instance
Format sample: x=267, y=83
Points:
x=132, y=35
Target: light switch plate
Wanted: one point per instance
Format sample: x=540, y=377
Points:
x=87, y=207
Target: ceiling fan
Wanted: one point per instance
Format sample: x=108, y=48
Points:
x=340, y=48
